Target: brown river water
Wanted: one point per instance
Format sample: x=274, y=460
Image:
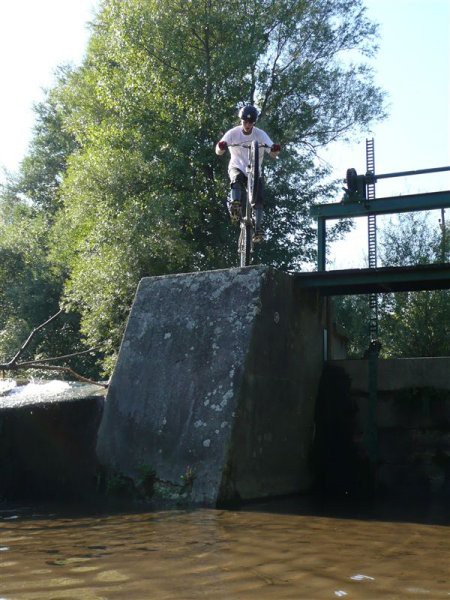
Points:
x=277, y=550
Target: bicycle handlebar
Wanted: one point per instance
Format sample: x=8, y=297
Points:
x=248, y=145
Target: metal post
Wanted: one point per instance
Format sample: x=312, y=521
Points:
x=444, y=240
x=372, y=424
x=321, y=242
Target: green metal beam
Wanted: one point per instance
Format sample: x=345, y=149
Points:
x=383, y=206
x=406, y=173
x=379, y=280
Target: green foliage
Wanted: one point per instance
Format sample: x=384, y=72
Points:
x=414, y=323
x=189, y=477
x=122, y=162
x=110, y=236
x=352, y=314
x=26, y=282
x=146, y=480
x=12, y=335
x=30, y=283
x=120, y=486
x=30, y=290
x=410, y=239
x=410, y=323
x=144, y=193
x=43, y=168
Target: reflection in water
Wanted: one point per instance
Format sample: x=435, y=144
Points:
x=269, y=551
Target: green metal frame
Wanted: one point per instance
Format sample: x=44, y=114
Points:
x=364, y=208
x=355, y=203
x=382, y=280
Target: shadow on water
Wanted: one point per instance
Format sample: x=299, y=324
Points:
x=394, y=509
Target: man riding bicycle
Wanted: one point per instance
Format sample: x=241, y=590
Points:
x=235, y=140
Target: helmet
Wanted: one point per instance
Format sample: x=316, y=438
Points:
x=248, y=113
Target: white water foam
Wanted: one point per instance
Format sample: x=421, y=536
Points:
x=45, y=388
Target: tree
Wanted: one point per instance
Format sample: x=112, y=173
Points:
x=30, y=285
x=30, y=290
x=410, y=323
x=44, y=165
x=352, y=314
x=414, y=323
x=144, y=193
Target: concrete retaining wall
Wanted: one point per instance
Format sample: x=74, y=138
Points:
x=219, y=394
x=47, y=448
x=215, y=383
x=400, y=373
x=413, y=420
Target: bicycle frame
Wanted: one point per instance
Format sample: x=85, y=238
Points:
x=247, y=223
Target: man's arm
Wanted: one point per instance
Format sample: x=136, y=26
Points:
x=275, y=150
x=221, y=147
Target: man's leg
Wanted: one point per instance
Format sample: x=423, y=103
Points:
x=238, y=182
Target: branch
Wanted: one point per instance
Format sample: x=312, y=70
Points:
x=14, y=359
x=30, y=365
x=62, y=357
x=14, y=365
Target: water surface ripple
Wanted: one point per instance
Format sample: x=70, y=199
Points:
x=258, y=553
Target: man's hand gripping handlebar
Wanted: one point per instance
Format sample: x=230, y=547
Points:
x=222, y=147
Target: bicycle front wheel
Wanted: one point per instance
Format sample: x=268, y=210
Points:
x=245, y=244
x=253, y=180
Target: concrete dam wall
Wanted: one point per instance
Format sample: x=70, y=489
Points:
x=47, y=445
x=220, y=393
x=412, y=423
x=216, y=378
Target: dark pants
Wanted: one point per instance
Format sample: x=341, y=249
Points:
x=238, y=182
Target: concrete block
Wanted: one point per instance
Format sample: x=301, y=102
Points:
x=217, y=376
x=47, y=448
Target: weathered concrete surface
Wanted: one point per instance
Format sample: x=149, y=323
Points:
x=401, y=373
x=413, y=421
x=218, y=373
x=47, y=446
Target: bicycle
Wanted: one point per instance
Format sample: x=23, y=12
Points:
x=247, y=221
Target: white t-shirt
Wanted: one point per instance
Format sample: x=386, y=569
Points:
x=239, y=154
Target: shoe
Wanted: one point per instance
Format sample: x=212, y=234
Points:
x=258, y=236
x=235, y=211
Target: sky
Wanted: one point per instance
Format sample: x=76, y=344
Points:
x=412, y=66
x=36, y=36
